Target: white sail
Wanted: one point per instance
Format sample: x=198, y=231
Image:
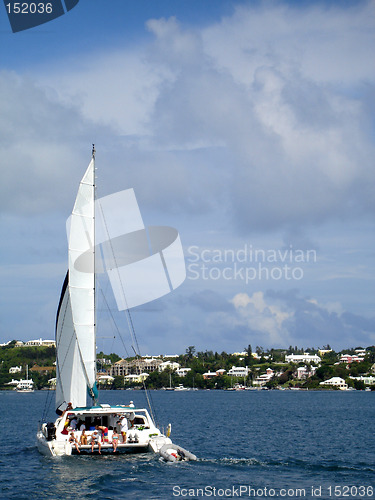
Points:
x=75, y=334
x=70, y=379
x=142, y=264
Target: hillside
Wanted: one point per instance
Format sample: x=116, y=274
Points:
x=34, y=357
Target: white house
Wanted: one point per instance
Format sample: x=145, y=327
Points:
x=105, y=379
x=238, y=371
x=181, y=372
x=368, y=380
x=15, y=369
x=303, y=358
x=263, y=379
x=40, y=342
x=336, y=382
x=360, y=352
x=172, y=365
x=136, y=378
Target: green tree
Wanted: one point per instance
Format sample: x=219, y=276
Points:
x=190, y=352
x=359, y=385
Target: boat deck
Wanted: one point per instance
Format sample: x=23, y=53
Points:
x=107, y=448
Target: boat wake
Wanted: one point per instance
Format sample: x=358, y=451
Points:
x=230, y=461
x=288, y=464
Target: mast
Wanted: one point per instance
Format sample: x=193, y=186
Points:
x=94, y=393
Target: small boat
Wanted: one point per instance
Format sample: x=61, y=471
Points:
x=111, y=249
x=180, y=387
x=174, y=453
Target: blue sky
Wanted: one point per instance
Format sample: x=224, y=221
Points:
x=245, y=125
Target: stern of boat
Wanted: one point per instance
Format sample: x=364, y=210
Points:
x=157, y=442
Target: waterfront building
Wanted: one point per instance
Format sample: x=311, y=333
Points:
x=105, y=379
x=238, y=371
x=336, y=382
x=136, y=378
x=124, y=367
x=263, y=379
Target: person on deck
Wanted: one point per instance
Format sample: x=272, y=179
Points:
x=115, y=440
x=73, y=423
x=73, y=441
x=123, y=427
x=83, y=438
x=104, y=431
x=95, y=439
x=81, y=425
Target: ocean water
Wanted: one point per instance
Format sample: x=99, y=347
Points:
x=249, y=444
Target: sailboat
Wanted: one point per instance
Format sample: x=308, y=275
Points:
x=170, y=388
x=25, y=385
x=76, y=318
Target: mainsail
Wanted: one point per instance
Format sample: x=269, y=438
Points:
x=142, y=265
x=75, y=325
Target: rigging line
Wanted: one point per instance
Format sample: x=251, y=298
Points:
x=114, y=321
x=128, y=315
x=146, y=391
x=49, y=402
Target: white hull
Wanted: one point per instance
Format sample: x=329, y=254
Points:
x=142, y=437
x=76, y=371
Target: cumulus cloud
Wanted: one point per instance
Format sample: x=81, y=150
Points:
x=272, y=319
x=261, y=121
x=283, y=93
x=42, y=144
x=264, y=317
x=284, y=318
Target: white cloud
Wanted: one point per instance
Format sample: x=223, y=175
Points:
x=41, y=143
x=262, y=121
x=264, y=318
x=271, y=95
